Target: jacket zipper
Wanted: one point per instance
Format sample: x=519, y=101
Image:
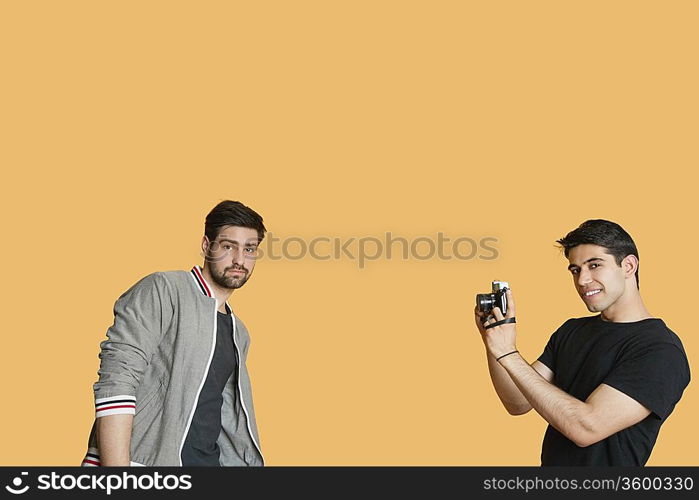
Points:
x=196, y=399
x=240, y=391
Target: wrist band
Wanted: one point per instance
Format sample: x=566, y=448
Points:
x=498, y=359
x=501, y=322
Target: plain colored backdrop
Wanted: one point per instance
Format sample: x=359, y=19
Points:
x=123, y=123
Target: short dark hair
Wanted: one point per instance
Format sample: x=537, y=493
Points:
x=604, y=233
x=233, y=213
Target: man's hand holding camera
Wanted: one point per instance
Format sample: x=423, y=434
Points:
x=498, y=331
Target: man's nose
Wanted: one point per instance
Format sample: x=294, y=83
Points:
x=238, y=257
x=584, y=277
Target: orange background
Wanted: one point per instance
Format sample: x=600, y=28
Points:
x=123, y=124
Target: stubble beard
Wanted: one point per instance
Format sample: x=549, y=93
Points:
x=225, y=280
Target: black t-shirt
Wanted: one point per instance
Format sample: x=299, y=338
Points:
x=200, y=446
x=643, y=359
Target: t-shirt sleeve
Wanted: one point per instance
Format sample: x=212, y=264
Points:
x=655, y=375
x=547, y=357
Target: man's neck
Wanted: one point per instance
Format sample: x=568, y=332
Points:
x=221, y=294
x=627, y=310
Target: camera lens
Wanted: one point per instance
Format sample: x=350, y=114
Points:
x=485, y=302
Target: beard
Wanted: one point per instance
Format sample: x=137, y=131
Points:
x=225, y=279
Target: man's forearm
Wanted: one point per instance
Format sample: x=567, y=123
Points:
x=511, y=397
x=567, y=414
x=114, y=439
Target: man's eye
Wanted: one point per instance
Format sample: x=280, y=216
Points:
x=592, y=266
x=250, y=250
x=575, y=271
x=226, y=247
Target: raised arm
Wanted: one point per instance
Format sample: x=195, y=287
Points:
x=605, y=412
x=511, y=397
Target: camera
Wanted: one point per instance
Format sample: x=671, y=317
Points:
x=487, y=301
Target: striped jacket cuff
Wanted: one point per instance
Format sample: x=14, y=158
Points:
x=92, y=458
x=115, y=405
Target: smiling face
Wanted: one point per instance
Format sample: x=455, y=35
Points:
x=230, y=258
x=598, y=279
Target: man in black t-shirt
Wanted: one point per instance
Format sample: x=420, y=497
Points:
x=604, y=383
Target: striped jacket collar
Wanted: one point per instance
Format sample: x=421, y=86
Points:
x=204, y=287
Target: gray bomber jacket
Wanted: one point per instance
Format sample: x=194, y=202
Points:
x=154, y=365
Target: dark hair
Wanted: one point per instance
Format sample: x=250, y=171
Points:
x=604, y=233
x=232, y=213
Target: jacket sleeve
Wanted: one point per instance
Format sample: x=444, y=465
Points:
x=131, y=342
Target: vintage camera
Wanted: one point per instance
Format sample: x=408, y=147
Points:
x=487, y=301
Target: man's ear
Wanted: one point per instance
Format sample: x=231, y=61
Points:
x=205, y=245
x=630, y=265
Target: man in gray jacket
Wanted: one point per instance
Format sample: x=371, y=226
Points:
x=173, y=387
